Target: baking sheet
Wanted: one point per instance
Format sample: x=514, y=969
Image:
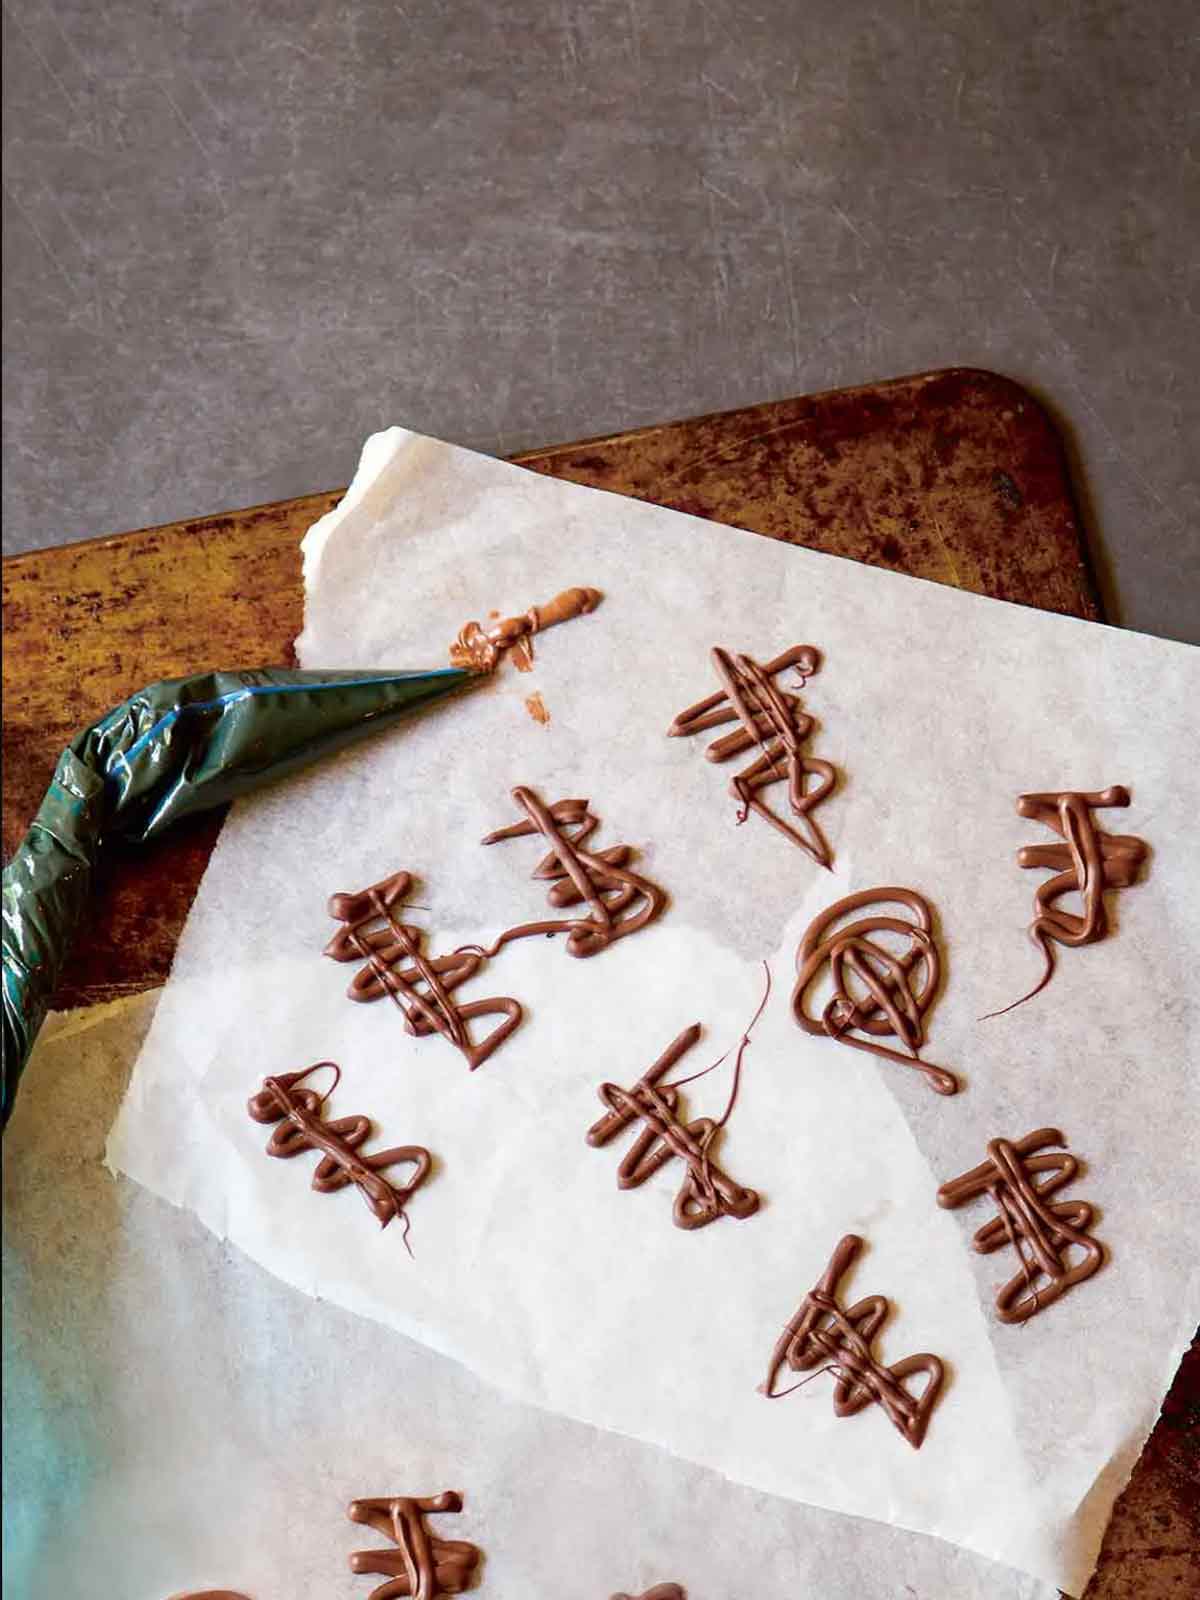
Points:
x=176, y=1418
x=530, y=1267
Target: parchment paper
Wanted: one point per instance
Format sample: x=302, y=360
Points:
x=531, y=1268
x=177, y=1418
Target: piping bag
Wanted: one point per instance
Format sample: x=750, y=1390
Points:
x=172, y=749
x=188, y=744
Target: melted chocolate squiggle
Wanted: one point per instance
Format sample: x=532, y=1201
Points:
x=899, y=989
x=423, y=1566
x=298, y=1111
x=479, y=648
x=706, y=1192
x=1087, y=862
x=619, y=901
x=395, y=966
x=660, y=1591
x=1041, y=1234
x=771, y=719
x=821, y=1332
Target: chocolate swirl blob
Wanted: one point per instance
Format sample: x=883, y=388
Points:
x=1087, y=862
x=1051, y=1241
x=772, y=722
x=877, y=991
x=822, y=1334
x=423, y=1566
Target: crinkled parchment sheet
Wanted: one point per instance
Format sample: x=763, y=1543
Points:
x=177, y=1418
x=531, y=1269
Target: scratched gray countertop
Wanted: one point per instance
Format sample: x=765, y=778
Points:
x=242, y=234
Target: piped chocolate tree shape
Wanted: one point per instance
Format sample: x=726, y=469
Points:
x=878, y=992
x=1052, y=1242
x=772, y=722
x=823, y=1334
x=706, y=1192
x=1087, y=862
x=422, y=1567
x=299, y=1127
x=421, y=986
x=618, y=901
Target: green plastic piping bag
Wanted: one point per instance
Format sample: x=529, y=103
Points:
x=172, y=749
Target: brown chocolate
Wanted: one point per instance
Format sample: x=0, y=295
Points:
x=823, y=1334
x=1088, y=862
x=706, y=1192
x=772, y=720
x=396, y=967
x=619, y=901
x=897, y=989
x=479, y=648
x=536, y=708
x=210, y=1594
x=298, y=1113
x=660, y=1591
x=1041, y=1234
x=423, y=1566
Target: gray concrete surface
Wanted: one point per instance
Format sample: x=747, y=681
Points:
x=241, y=234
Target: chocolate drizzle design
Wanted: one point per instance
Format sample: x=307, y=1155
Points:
x=660, y=1591
x=706, y=1192
x=395, y=966
x=1041, y=1234
x=1088, y=862
x=877, y=991
x=771, y=720
x=424, y=1566
x=300, y=1127
x=823, y=1334
x=619, y=901
x=479, y=648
